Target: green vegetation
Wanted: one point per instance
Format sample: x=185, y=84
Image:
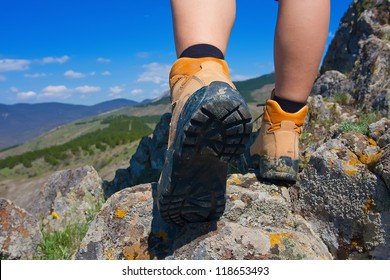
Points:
x=62, y=244
x=342, y=98
x=248, y=86
x=118, y=130
x=360, y=126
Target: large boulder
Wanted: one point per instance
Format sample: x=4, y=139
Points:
x=358, y=59
x=69, y=197
x=258, y=224
x=147, y=162
x=20, y=234
x=344, y=199
x=363, y=19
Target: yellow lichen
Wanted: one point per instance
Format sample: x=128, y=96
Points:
x=350, y=166
x=276, y=238
x=109, y=255
x=369, y=206
x=135, y=252
x=235, y=181
x=367, y=159
x=120, y=213
x=372, y=142
x=55, y=215
x=162, y=235
x=233, y=197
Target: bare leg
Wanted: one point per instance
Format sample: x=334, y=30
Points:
x=202, y=22
x=300, y=38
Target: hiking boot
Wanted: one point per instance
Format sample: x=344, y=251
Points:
x=276, y=144
x=210, y=127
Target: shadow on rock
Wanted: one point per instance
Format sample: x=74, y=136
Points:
x=165, y=239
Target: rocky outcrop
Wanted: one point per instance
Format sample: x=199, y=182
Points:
x=342, y=192
x=363, y=19
x=257, y=224
x=68, y=197
x=20, y=234
x=358, y=60
x=147, y=162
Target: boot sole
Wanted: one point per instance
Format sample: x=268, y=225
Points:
x=278, y=169
x=214, y=128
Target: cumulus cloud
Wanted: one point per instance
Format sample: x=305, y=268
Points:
x=106, y=73
x=103, y=60
x=73, y=75
x=154, y=73
x=35, y=75
x=2, y=78
x=60, y=91
x=87, y=89
x=137, y=91
x=51, y=59
x=26, y=95
x=7, y=65
x=116, y=90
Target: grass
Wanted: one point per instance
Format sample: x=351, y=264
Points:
x=62, y=245
x=360, y=126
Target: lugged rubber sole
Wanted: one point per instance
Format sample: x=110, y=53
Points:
x=213, y=129
x=278, y=169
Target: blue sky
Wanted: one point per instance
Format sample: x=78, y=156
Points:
x=86, y=52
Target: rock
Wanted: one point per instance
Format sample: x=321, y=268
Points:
x=380, y=132
x=147, y=162
x=257, y=224
x=69, y=197
x=364, y=57
x=382, y=167
x=371, y=76
x=333, y=84
x=20, y=234
x=363, y=19
x=345, y=202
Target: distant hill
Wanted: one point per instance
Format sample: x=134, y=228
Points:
x=22, y=122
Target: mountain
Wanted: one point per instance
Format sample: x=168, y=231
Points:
x=22, y=122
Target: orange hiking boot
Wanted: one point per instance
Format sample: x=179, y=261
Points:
x=210, y=126
x=277, y=142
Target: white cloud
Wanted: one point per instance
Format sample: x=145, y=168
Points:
x=26, y=95
x=73, y=75
x=137, y=91
x=51, y=59
x=155, y=73
x=92, y=73
x=35, y=75
x=60, y=91
x=106, y=73
x=103, y=60
x=13, y=89
x=87, y=89
x=143, y=55
x=2, y=78
x=116, y=90
x=7, y=65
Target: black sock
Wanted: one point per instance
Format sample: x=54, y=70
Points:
x=288, y=105
x=202, y=50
